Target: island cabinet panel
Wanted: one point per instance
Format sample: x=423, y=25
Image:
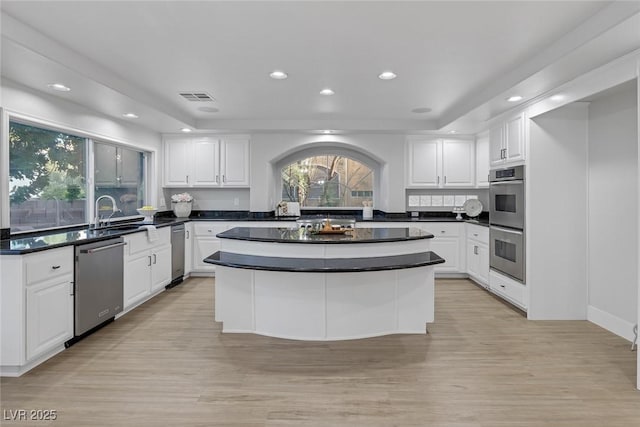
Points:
x=208, y=162
x=440, y=163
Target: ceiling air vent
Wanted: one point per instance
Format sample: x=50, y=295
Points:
x=197, y=96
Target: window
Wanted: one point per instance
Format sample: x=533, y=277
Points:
x=119, y=173
x=47, y=178
x=327, y=181
x=47, y=171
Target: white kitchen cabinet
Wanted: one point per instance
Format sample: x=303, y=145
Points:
x=188, y=248
x=507, y=141
x=482, y=160
x=478, y=254
x=49, y=321
x=206, y=243
x=448, y=243
x=458, y=167
x=36, y=307
x=206, y=162
x=423, y=158
x=508, y=289
x=147, y=266
x=440, y=163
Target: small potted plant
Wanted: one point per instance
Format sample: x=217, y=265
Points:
x=181, y=204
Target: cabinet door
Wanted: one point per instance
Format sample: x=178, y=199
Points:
x=137, y=278
x=457, y=163
x=514, y=139
x=206, y=162
x=449, y=249
x=105, y=173
x=496, y=145
x=177, y=163
x=160, y=267
x=202, y=248
x=483, y=264
x=49, y=315
x=424, y=164
x=188, y=248
x=473, y=264
x=482, y=161
x=235, y=163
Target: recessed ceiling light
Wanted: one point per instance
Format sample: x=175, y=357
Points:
x=421, y=110
x=387, y=75
x=327, y=92
x=514, y=98
x=185, y=130
x=452, y=131
x=558, y=97
x=59, y=87
x=327, y=131
x=278, y=75
x=130, y=115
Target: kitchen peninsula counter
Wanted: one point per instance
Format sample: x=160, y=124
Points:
x=293, y=284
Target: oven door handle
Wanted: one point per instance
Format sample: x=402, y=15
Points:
x=507, y=182
x=507, y=230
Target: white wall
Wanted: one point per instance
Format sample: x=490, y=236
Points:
x=41, y=106
x=556, y=223
x=613, y=211
x=266, y=149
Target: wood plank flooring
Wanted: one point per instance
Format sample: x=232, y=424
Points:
x=482, y=365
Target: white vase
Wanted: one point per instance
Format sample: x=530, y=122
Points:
x=182, y=209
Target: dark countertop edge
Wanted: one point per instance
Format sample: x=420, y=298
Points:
x=258, y=263
x=328, y=241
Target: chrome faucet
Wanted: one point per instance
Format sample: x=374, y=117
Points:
x=98, y=222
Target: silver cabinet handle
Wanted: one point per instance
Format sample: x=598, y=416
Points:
x=209, y=231
x=72, y=291
x=224, y=178
x=503, y=286
x=187, y=233
x=438, y=181
x=187, y=179
x=475, y=250
x=475, y=234
x=154, y=258
x=102, y=248
x=55, y=267
x=149, y=265
x=217, y=178
x=445, y=179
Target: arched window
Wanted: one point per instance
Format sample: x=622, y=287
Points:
x=327, y=180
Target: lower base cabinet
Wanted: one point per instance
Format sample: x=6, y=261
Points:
x=508, y=289
x=49, y=315
x=147, y=266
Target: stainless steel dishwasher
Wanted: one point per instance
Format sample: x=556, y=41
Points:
x=98, y=285
x=177, y=255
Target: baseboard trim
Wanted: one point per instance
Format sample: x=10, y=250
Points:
x=611, y=323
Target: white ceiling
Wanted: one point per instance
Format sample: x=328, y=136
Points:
x=460, y=59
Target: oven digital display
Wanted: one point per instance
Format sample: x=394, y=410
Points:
x=506, y=173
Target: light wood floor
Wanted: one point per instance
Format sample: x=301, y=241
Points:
x=483, y=364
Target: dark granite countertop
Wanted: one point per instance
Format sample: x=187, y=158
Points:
x=324, y=265
x=357, y=235
x=43, y=240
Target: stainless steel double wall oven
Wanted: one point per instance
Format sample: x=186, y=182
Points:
x=506, y=218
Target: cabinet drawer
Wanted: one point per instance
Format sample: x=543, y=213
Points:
x=209, y=229
x=442, y=229
x=478, y=233
x=48, y=264
x=508, y=289
x=139, y=242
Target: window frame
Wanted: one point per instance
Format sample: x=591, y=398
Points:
x=150, y=158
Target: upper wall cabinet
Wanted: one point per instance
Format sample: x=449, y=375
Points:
x=206, y=162
x=507, y=141
x=440, y=163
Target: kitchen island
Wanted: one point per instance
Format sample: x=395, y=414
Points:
x=295, y=284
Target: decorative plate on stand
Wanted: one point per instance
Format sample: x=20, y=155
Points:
x=472, y=207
